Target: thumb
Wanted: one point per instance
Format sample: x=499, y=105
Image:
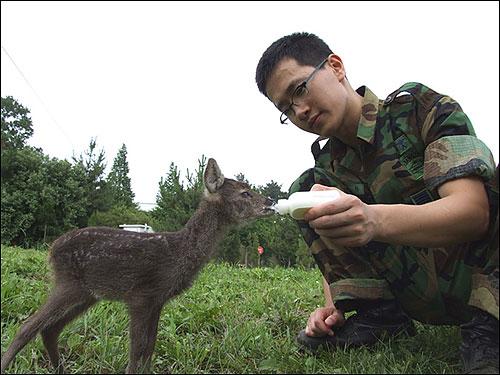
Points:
x=318, y=187
x=330, y=321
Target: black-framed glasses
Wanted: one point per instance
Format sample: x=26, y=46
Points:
x=299, y=95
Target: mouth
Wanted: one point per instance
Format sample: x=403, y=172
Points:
x=268, y=211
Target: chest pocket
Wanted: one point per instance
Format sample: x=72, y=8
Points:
x=412, y=159
x=410, y=156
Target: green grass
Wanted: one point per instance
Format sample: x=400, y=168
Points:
x=231, y=321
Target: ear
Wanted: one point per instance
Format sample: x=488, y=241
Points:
x=335, y=62
x=213, y=177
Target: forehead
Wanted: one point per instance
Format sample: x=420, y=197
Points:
x=230, y=183
x=286, y=75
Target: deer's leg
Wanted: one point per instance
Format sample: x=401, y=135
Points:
x=60, y=301
x=50, y=334
x=143, y=330
x=152, y=333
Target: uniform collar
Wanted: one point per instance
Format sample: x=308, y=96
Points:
x=366, y=126
x=369, y=113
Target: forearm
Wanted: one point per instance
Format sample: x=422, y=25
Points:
x=328, y=294
x=447, y=221
x=460, y=215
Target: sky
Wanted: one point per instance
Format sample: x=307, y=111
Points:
x=176, y=80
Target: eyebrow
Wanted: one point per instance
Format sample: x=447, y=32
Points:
x=291, y=86
x=295, y=83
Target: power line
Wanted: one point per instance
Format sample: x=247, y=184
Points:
x=39, y=98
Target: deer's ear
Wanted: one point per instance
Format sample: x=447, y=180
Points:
x=213, y=177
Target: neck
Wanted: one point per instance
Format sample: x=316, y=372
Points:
x=349, y=128
x=203, y=232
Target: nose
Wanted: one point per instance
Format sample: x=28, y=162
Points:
x=302, y=111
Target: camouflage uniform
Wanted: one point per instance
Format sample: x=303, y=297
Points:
x=414, y=140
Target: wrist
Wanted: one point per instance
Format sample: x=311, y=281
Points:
x=380, y=221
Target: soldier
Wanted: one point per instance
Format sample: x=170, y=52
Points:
x=414, y=234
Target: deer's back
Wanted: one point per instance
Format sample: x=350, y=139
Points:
x=114, y=263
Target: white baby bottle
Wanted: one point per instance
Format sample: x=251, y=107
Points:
x=301, y=201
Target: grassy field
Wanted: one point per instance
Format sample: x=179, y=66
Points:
x=231, y=321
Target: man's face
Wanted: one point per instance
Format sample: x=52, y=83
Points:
x=322, y=110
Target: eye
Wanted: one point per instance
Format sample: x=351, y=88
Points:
x=301, y=91
x=245, y=194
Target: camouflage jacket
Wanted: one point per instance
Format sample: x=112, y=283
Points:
x=413, y=141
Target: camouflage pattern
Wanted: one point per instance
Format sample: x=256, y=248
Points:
x=414, y=140
x=453, y=157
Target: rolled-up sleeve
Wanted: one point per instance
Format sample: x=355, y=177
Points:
x=456, y=156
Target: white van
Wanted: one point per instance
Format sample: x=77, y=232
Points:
x=141, y=228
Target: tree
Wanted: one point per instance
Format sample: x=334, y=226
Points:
x=273, y=191
x=229, y=249
x=16, y=124
x=119, y=181
x=278, y=235
x=176, y=203
x=41, y=198
x=281, y=235
x=44, y=197
x=250, y=245
x=120, y=215
x=303, y=256
x=241, y=177
x=93, y=165
x=16, y=128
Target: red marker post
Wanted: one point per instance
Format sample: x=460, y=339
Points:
x=260, y=250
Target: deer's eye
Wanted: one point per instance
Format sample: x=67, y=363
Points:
x=245, y=194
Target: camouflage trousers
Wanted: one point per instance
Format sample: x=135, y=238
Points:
x=432, y=285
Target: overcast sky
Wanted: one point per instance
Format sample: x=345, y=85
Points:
x=175, y=80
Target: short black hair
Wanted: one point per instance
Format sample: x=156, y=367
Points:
x=305, y=48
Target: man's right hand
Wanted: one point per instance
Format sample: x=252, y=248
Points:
x=322, y=319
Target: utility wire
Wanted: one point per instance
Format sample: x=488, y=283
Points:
x=39, y=98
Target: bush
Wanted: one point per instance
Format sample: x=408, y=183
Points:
x=120, y=215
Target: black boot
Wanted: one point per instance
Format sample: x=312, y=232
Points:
x=372, y=319
x=479, y=349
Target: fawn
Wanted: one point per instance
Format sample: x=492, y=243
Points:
x=144, y=270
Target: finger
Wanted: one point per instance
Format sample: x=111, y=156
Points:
x=331, y=221
x=329, y=208
x=335, y=216
x=344, y=202
x=319, y=328
x=340, y=231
